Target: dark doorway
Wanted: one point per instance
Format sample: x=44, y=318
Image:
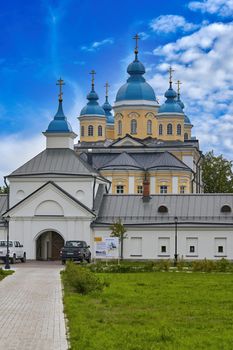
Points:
x=48, y=246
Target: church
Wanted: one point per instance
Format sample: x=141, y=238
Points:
x=139, y=164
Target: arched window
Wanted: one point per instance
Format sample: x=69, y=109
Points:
x=162, y=209
x=226, y=209
x=186, y=136
x=133, y=126
x=82, y=130
x=100, y=130
x=178, y=129
x=119, y=127
x=149, y=127
x=160, y=129
x=169, y=129
x=90, y=130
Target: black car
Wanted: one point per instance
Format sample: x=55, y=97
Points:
x=75, y=251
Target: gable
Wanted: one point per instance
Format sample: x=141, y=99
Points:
x=50, y=200
x=127, y=141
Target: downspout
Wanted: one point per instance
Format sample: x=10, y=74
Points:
x=8, y=193
x=197, y=180
x=93, y=193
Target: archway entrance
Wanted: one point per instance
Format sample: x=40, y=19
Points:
x=48, y=246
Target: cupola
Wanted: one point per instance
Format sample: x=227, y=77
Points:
x=107, y=107
x=136, y=87
x=59, y=133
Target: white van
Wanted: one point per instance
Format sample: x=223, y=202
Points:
x=16, y=251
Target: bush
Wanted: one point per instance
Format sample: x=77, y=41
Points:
x=203, y=265
x=81, y=280
x=223, y=265
x=164, y=265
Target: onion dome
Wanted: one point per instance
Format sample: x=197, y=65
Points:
x=107, y=107
x=59, y=124
x=171, y=105
x=136, y=87
x=92, y=107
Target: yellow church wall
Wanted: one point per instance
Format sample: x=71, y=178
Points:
x=110, y=132
x=164, y=121
x=95, y=122
x=188, y=130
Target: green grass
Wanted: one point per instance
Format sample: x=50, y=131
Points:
x=4, y=273
x=154, y=311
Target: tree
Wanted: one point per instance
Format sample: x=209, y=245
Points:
x=217, y=174
x=118, y=230
x=3, y=190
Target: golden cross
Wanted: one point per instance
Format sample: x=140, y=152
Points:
x=92, y=77
x=178, y=87
x=170, y=75
x=136, y=38
x=107, y=87
x=60, y=82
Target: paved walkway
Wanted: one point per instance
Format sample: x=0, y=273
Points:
x=31, y=309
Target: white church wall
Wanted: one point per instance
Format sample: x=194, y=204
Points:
x=188, y=160
x=159, y=243
x=80, y=188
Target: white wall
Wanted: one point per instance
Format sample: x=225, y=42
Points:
x=205, y=239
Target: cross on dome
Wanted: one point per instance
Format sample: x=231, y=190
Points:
x=136, y=38
x=107, y=87
x=170, y=75
x=60, y=82
x=93, y=72
x=178, y=83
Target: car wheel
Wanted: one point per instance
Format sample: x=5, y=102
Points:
x=88, y=260
x=13, y=259
x=23, y=260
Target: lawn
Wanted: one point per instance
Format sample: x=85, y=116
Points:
x=154, y=311
x=4, y=273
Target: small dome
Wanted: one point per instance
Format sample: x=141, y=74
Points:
x=59, y=123
x=171, y=105
x=187, y=120
x=136, y=87
x=92, y=107
x=107, y=108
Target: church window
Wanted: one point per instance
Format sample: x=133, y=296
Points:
x=120, y=189
x=100, y=130
x=226, y=209
x=162, y=209
x=163, y=189
x=133, y=126
x=160, y=129
x=182, y=189
x=90, y=130
x=163, y=249
x=178, y=129
x=119, y=127
x=192, y=249
x=82, y=130
x=220, y=249
x=169, y=129
x=149, y=127
x=186, y=136
x=139, y=189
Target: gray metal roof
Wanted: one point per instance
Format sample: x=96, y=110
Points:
x=141, y=161
x=55, y=161
x=193, y=208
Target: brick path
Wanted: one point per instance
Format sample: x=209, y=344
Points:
x=31, y=310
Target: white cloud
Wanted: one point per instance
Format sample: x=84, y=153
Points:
x=171, y=23
x=220, y=7
x=97, y=44
x=203, y=62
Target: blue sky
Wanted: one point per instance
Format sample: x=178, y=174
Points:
x=43, y=40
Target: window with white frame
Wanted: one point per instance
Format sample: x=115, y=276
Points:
x=90, y=130
x=182, y=189
x=178, y=129
x=220, y=246
x=186, y=136
x=136, y=246
x=100, y=130
x=160, y=129
x=82, y=130
x=169, y=129
x=149, y=127
x=191, y=246
x=139, y=189
x=163, y=189
x=164, y=246
x=120, y=189
x=133, y=126
x=119, y=127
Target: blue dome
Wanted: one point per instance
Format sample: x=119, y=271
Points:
x=171, y=105
x=107, y=108
x=92, y=107
x=136, y=87
x=187, y=120
x=59, y=123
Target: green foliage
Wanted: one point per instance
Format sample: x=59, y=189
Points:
x=81, y=280
x=3, y=190
x=4, y=273
x=154, y=311
x=217, y=174
x=223, y=265
x=118, y=230
x=204, y=265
